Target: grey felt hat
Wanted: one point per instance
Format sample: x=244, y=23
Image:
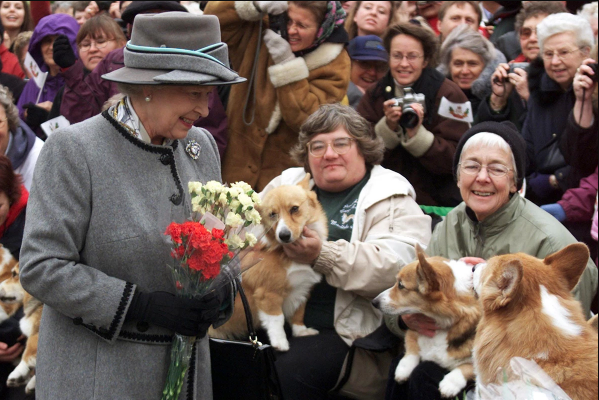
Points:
x=175, y=48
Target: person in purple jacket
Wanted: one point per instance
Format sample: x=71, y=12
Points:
x=87, y=94
x=33, y=111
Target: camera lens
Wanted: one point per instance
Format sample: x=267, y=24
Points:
x=409, y=118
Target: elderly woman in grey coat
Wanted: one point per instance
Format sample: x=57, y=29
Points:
x=469, y=60
x=103, y=193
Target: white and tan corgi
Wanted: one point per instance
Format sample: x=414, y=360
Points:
x=7, y=263
x=278, y=288
x=442, y=290
x=12, y=293
x=528, y=312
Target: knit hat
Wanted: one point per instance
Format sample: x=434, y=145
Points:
x=368, y=48
x=508, y=132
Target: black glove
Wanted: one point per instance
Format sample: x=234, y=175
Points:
x=189, y=317
x=62, y=52
x=35, y=116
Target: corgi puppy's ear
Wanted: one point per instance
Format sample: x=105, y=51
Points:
x=428, y=282
x=305, y=183
x=570, y=262
x=504, y=286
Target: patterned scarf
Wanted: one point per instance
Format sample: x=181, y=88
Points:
x=334, y=17
x=123, y=113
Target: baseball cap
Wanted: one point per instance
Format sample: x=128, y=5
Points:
x=369, y=48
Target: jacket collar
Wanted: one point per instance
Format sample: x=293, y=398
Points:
x=323, y=55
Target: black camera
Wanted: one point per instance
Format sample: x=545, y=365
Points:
x=278, y=24
x=409, y=117
x=522, y=65
x=595, y=69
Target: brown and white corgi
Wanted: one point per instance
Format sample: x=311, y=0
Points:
x=442, y=290
x=278, y=288
x=528, y=312
x=12, y=293
x=7, y=263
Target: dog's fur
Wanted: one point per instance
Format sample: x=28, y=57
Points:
x=442, y=290
x=278, y=288
x=7, y=262
x=528, y=312
x=13, y=294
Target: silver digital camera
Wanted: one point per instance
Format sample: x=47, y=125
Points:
x=409, y=117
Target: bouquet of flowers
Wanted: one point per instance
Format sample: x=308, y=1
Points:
x=206, y=248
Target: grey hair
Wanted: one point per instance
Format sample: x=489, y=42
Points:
x=330, y=117
x=464, y=37
x=489, y=140
x=589, y=11
x=12, y=112
x=131, y=90
x=566, y=22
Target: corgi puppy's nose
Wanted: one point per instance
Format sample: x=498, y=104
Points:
x=285, y=235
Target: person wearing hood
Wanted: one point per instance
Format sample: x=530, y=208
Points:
x=292, y=78
x=33, y=106
x=17, y=141
x=469, y=60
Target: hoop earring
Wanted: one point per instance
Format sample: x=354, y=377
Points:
x=148, y=98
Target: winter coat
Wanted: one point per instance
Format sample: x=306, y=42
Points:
x=85, y=94
x=387, y=226
x=426, y=160
x=56, y=24
x=100, y=203
x=579, y=203
x=23, y=150
x=518, y=226
x=580, y=147
x=10, y=62
x=286, y=94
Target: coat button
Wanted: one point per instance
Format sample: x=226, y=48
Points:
x=166, y=158
x=142, y=326
x=78, y=321
x=554, y=135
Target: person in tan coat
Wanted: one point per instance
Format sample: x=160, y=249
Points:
x=292, y=79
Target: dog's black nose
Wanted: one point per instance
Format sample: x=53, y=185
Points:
x=473, y=268
x=285, y=236
x=375, y=303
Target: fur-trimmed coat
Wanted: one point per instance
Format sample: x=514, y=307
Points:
x=286, y=94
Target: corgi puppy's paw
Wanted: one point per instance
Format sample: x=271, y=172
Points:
x=405, y=367
x=19, y=376
x=279, y=342
x=30, y=388
x=452, y=383
x=302, y=330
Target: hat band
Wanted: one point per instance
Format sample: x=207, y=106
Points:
x=171, y=50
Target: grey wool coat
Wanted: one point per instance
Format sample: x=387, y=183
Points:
x=100, y=203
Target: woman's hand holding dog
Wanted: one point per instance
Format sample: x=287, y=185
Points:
x=420, y=323
x=9, y=354
x=305, y=250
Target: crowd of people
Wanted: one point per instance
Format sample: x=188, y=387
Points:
x=468, y=128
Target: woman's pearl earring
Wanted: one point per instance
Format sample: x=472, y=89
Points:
x=148, y=98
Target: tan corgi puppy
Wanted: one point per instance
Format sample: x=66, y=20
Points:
x=7, y=263
x=442, y=290
x=528, y=312
x=12, y=293
x=278, y=288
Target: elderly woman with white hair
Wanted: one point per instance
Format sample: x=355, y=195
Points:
x=565, y=41
x=589, y=12
x=469, y=60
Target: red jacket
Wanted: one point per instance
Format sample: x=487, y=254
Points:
x=10, y=62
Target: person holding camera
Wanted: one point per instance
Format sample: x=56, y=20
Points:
x=403, y=108
x=290, y=75
x=509, y=82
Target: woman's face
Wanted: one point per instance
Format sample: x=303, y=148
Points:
x=46, y=49
x=4, y=207
x=483, y=193
x=3, y=131
x=561, y=57
x=92, y=51
x=372, y=17
x=302, y=28
x=406, y=59
x=529, y=42
x=336, y=172
x=364, y=73
x=172, y=110
x=12, y=14
x=465, y=67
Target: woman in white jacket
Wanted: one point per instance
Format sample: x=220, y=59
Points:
x=374, y=224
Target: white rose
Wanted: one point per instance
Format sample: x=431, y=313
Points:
x=246, y=200
x=234, y=204
x=256, y=198
x=195, y=187
x=234, y=242
x=233, y=220
x=214, y=186
x=253, y=216
x=250, y=239
x=222, y=199
x=243, y=185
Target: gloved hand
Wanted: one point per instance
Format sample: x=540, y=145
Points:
x=556, y=210
x=35, y=115
x=62, y=52
x=271, y=7
x=189, y=317
x=540, y=186
x=279, y=48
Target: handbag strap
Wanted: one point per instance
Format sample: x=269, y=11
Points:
x=248, y=316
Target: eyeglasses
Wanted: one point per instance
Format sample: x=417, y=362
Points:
x=379, y=66
x=410, y=57
x=561, y=54
x=340, y=146
x=100, y=44
x=495, y=170
x=525, y=32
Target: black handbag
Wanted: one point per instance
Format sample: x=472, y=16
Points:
x=244, y=370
